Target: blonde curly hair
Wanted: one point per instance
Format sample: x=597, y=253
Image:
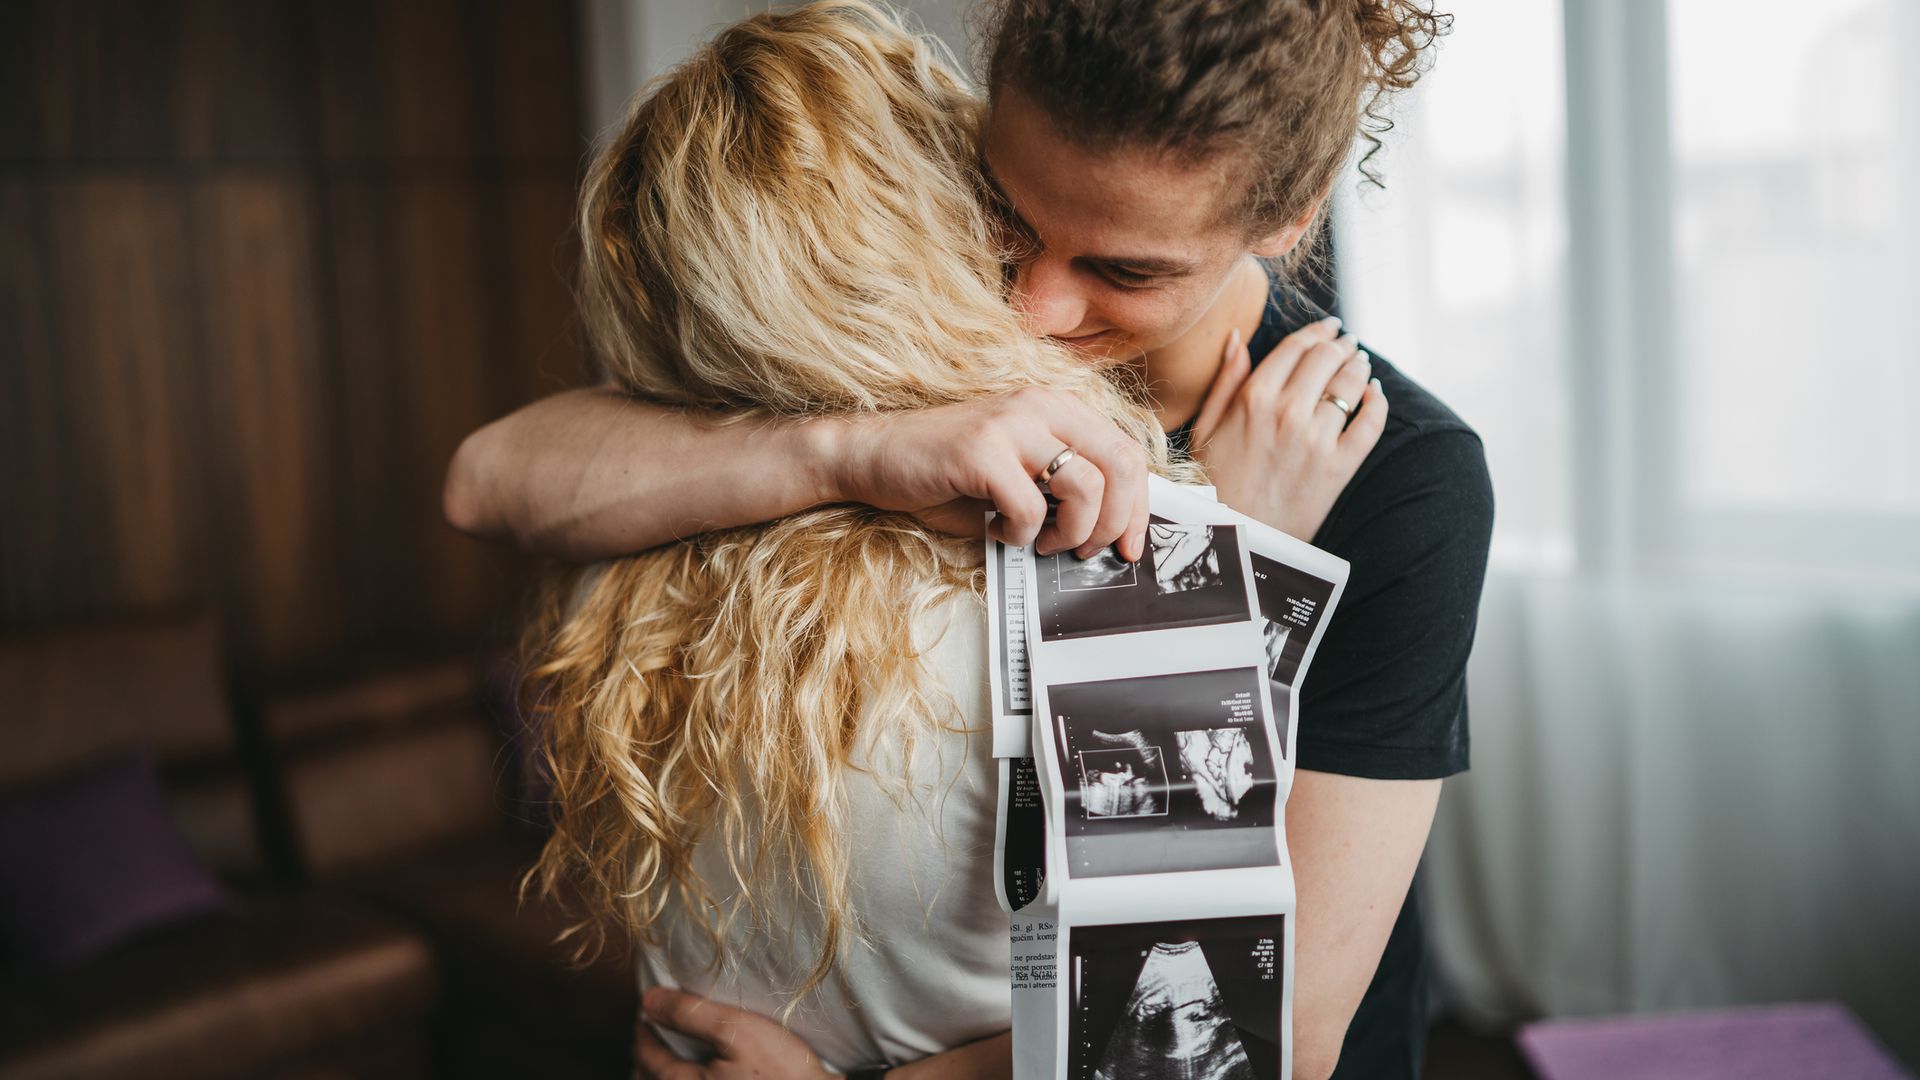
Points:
x=788, y=224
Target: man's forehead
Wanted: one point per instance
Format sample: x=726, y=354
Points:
x=1127, y=205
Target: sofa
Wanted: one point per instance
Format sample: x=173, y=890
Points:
x=369, y=833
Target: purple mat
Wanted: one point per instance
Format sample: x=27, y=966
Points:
x=1774, y=1042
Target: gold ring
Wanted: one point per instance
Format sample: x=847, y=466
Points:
x=1053, y=467
x=1338, y=403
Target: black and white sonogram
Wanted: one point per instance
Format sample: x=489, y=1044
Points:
x=1165, y=773
x=1184, y=557
x=1292, y=603
x=1274, y=636
x=1126, y=778
x=1219, y=762
x=1103, y=570
x=1189, y=575
x=1197, y=999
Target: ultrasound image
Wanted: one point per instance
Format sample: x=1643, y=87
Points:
x=1175, y=1024
x=1292, y=603
x=1195, y=574
x=1184, y=558
x=1195, y=1000
x=1128, y=780
x=1274, y=637
x=1165, y=773
x=1105, y=569
x=1219, y=762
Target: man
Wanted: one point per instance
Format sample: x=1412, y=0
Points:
x=1144, y=152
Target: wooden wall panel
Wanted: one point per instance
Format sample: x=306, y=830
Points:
x=31, y=428
x=547, y=341
x=262, y=266
x=269, y=397
x=532, y=94
x=106, y=75
x=127, y=298
x=400, y=81
x=244, y=74
x=448, y=334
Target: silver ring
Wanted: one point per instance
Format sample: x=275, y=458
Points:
x=1053, y=467
x=1337, y=402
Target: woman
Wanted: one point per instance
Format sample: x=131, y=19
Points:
x=762, y=738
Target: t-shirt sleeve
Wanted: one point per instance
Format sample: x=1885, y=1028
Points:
x=1386, y=696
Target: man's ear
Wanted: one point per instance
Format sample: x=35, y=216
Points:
x=1283, y=240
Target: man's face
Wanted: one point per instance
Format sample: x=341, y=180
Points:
x=1120, y=251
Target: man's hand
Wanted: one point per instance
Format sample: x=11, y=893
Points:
x=1274, y=447
x=747, y=1046
x=949, y=465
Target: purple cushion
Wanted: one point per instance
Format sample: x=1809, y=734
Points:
x=1758, y=1043
x=91, y=859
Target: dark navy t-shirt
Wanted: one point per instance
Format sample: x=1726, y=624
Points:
x=1386, y=697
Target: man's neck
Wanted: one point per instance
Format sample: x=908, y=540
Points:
x=1179, y=373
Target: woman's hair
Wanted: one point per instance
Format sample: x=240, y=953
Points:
x=788, y=224
x=1283, y=86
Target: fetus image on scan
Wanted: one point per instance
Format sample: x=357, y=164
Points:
x=1175, y=1024
x=1128, y=780
x=1104, y=569
x=1274, y=636
x=1219, y=761
x=1184, y=557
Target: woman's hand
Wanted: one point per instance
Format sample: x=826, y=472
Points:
x=1274, y=447
x=747, y=1046
x=948, y=466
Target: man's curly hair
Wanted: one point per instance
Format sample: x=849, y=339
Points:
x=1285, y=86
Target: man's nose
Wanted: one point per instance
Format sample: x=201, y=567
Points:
x=1050, y=298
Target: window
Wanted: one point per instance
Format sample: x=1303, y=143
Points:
x=1663, y=260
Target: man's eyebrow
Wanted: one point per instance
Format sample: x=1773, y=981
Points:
x=1144, y=264
x=1152, y=265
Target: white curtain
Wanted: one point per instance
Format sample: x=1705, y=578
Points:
x=1663, y=256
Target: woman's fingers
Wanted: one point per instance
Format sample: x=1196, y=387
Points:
x=653, y=1059
x=1081, y=488
x=1235, y=365
x=1349, y=382
x=1369, y=420
x=1116, y=496
x=1302, y=398
x=1015, y=494
x=712, y=1023
x=1273, y=374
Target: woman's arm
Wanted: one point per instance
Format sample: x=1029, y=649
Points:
x=748, y=1046
x=592, y=474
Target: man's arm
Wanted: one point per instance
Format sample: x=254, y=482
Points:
x=593, y=474
x=1355, y=844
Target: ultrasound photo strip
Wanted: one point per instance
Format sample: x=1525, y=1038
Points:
x=1160, y=939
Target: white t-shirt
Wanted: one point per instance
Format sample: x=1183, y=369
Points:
x=934, y=973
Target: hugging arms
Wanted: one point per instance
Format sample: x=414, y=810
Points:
x=1136, y=257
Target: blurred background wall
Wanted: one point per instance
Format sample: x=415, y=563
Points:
x=261, y=267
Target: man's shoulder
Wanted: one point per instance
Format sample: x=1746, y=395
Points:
x=1414, y=411
x=1429, y=463
x=1426, y=478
